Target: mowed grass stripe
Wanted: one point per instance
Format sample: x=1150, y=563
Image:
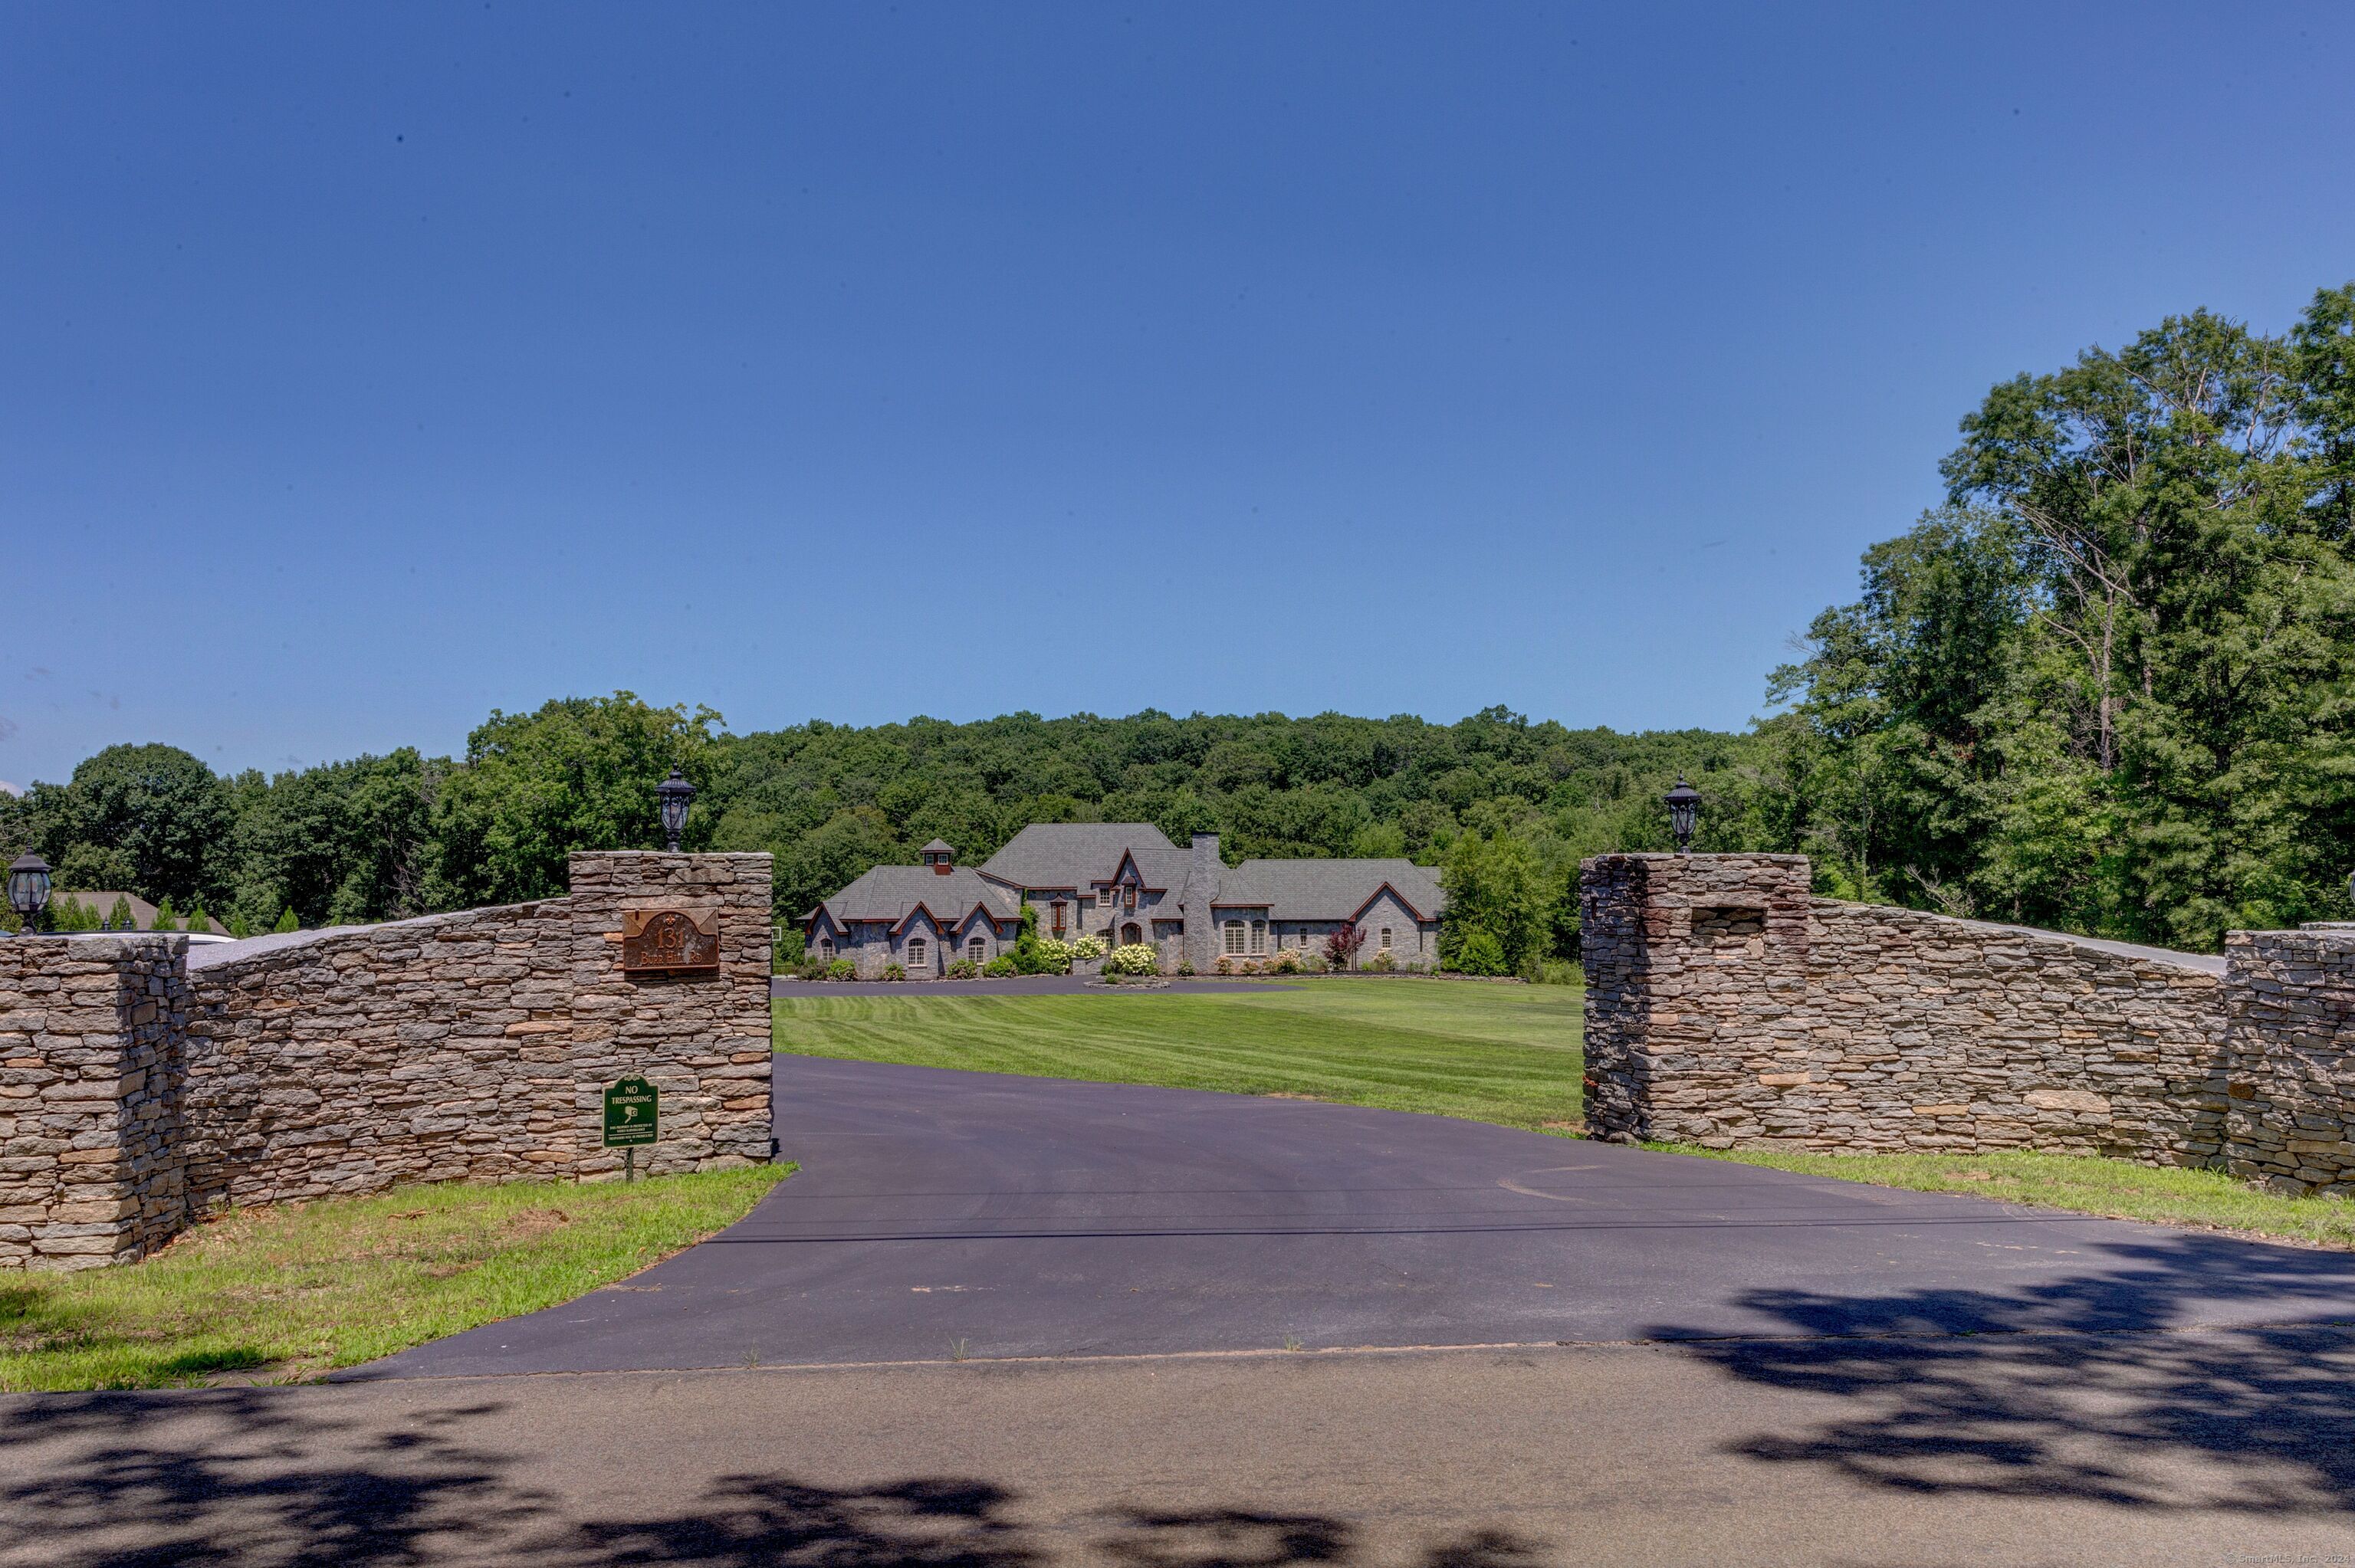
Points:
x=1508, y=1054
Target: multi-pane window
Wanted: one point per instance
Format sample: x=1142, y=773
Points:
x=1059, y=917
x=975, y=949
x=915, y=952
x=1386, y=938
x=1128, y=896
x=825, y=948
x=1234, y=935
x=1259, y=937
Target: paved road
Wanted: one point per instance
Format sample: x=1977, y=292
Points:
x=942, y=1214
x=2208, y=1447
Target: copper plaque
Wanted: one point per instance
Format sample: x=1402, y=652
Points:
x=670, y=941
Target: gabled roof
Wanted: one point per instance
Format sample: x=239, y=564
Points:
x=892, y=893
x=1329, y=889
x=1071, y=855
x=937, y=846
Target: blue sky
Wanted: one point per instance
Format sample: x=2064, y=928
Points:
x=366, y=368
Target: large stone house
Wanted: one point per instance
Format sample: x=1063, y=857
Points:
x=1127, y=883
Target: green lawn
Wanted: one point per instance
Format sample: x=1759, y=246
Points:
x=295, y=1290
x=2200, y=1200
x=1504, y=1054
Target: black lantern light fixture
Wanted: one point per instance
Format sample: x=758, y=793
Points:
x=28, y=888
x=1684, y=808
x=677, y=795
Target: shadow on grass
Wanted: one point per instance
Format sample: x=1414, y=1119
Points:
x=264, y=1477
x=2100, y=1387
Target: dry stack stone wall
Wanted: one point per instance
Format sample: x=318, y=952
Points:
x=137, y=1087
x=2290, y=1058
x=90, y=1085
x=1727, y=1008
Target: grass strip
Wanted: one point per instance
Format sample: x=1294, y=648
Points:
x=1509, y=1054
x=290, y=1290
x=2088, y=1184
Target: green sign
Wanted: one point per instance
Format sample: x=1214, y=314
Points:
x=632, y=1109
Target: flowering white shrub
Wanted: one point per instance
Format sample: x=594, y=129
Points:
x=1054, y=956
x=1134, y=958
x=1087, y=948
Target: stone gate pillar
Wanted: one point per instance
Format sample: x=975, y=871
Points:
x=1692, y=962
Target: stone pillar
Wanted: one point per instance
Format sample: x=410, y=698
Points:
x=2289, y=1038
x=702, y=1039
x=91, y=1084
x=1690, y=958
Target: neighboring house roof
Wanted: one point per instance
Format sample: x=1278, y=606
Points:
x=893, y=892
x=1073, y=854
x=141, y=912
x=1328, y=889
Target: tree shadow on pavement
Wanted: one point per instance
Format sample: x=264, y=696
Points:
x=270, y=1479
x=2100, y=1387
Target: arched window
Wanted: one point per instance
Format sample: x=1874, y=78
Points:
x=1386, y=938
x=1259, y=937
x=975, y=949
x=1130, y=935
x=1058, y=907
x=826, y=948
x=915, y=952
x=1234, y=935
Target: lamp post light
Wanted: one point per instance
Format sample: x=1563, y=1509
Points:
x=28, y=888
x=1684, y=808
x=677, y=795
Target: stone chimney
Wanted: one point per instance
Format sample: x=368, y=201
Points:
x=1203, y=871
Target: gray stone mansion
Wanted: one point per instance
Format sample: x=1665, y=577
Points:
x=1125, y=884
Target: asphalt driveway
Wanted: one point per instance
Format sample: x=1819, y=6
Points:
x=945, y=1215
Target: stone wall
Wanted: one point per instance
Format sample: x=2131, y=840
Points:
x=90, y=1098
x=149, y=1082
x=1728, y=1008
x=2289, y=1023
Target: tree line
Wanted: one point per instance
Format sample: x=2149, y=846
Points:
x=1508, y=806
x=2106, y=688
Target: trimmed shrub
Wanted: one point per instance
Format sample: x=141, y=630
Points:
x=842, y=968
x=1382, y=962
x=1286, y=962
x=1132, y=958
x=895, y=971
x=1000, y=967
x=1481, y=953
x=963, y=969
x=1185, y=967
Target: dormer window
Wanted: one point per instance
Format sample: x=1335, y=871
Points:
x=940, y=857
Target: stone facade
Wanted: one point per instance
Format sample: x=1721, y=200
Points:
x=153, y=1083
x=1728, y=1008
x=90, y=1099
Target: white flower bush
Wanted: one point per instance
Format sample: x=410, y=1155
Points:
x=1054, y=956
x=1132, y=958
x=1087, y=950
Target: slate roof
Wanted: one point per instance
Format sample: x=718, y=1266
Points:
x=1328, y=889
x=892, y=892
x=1074, y=854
